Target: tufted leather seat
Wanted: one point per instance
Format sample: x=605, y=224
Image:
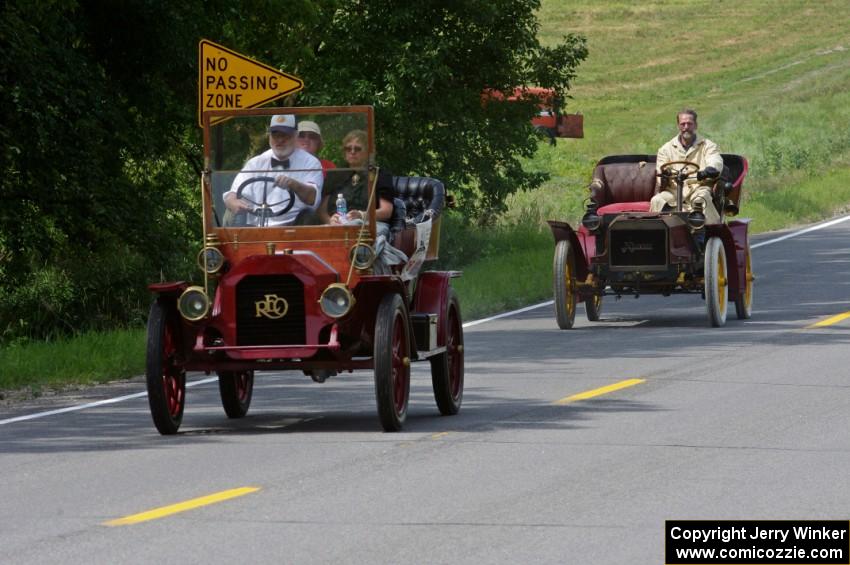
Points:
x=627, y=181
x=420, y=194
x=414, y=198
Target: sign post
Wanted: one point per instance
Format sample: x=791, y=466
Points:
x=228, y=80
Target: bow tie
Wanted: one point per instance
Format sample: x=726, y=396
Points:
x=276, y=163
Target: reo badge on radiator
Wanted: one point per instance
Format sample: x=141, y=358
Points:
x=273, y=307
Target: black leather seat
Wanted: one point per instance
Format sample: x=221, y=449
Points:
x=416, y=199
x=419, y=195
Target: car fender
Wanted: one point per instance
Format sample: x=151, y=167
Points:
x=368, y=293
x=173, y=289
x=432, y=296
x=167, y=293
x=740, y=234
x=562, y=231
x=734, y=261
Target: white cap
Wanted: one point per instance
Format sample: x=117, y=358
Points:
x=283, y=122
x=307, y=125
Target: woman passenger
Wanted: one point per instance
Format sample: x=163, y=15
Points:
x=354, y=187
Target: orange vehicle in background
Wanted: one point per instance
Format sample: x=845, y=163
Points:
x=550, y=122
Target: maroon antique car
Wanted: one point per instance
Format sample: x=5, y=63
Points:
x=320, y=299
x=623, y=248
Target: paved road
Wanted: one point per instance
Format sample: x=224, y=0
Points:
x=748, y=421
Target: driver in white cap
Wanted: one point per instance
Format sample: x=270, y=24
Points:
x=297, y=174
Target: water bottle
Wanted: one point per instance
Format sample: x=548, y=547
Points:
x=341, y=207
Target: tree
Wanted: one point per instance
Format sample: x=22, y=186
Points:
x=101, y=152
x=424, y=66
x=91, y=173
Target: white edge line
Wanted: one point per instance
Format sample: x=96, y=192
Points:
x=466, y=325
x=94, y=404
x=801, y=232
x=506, y=314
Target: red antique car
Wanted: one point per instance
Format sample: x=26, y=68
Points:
x=322, y=299
x=623, y=248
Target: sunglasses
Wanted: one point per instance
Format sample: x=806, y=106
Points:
x=353, y=148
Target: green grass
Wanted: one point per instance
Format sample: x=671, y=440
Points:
x=770, y=80
x=85, y=359
x=501, y=281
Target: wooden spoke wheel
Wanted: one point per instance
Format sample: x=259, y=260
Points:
x=565, y=285
x=716, y=283
x=744, y=302
x=593, y=307
x=236, y=389
x=447, y=368
x=165, y=376
x=392, y=362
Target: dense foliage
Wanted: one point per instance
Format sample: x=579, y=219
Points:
x=100, y=148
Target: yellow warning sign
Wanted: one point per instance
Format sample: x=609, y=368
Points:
x=228, y=80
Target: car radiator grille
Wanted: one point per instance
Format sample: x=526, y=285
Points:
x=638, y=248
x=259, y=302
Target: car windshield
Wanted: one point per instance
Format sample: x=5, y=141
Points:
x=286, y=169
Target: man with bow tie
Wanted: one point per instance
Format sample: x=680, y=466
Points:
x=297, y=174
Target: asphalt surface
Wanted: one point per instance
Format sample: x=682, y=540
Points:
x=748, y=421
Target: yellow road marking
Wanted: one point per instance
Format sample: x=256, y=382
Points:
x=438, y=435
x=181, y=506
x=830, y=321
x=600, y=391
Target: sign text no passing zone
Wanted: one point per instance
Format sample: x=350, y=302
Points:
x=228, y=80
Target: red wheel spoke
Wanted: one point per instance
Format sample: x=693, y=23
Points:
x=398, y=368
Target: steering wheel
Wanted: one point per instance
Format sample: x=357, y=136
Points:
x=264, y=208
x=685, y=169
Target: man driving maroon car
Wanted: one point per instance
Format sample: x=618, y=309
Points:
x=688, y=146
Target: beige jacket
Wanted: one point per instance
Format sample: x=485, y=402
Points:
x=703, y=152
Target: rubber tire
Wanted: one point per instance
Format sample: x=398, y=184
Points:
x=166, y=379
x=744, y=304
x=236, y=389
x=392, y=362
x=447, y=368
x=716, y=283
x=564, y=286
x=593, y=307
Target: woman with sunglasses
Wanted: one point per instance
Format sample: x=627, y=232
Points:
x=352, y=183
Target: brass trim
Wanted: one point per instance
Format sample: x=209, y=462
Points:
x=206, y=299
x=202, y=260
x=344, y=287
x=352, y=253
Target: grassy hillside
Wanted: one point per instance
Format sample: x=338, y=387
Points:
x=770, y=80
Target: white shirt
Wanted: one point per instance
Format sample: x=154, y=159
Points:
x=303, y=167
